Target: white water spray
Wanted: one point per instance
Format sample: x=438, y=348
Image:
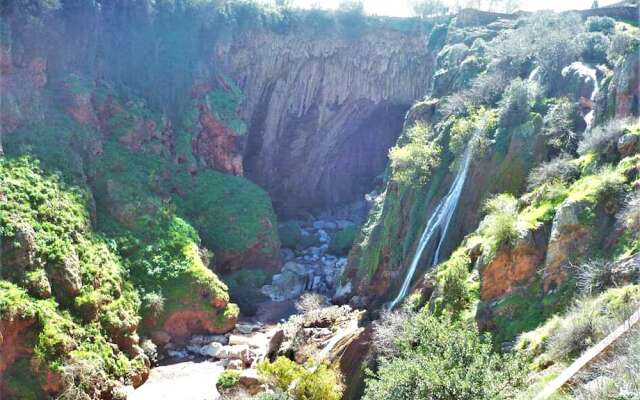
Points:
x=591, y=115
x=439, y=222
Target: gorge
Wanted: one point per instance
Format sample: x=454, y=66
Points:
x=229, y=199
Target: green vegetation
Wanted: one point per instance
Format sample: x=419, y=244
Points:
x=343, y=240
x=501, y=225
x=309, y=382
x=290, y=234
x=588, y=321
x=455, y=293
x=244, y=287
x=228, y=379
x=414, y=158
x=231, y=213
x=444, y=359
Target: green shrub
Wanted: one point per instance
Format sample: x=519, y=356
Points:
x=600, y=24
x=343, y=240
x=560, y=126
x=587, y=322
x=280, y=373
x=501, y=225
x=561, y=169
x=290, y=234
x=311, y=382
x=516, y=103
x=312, y=240
x=453, y=289
x=323, y=383
x=413, y=160
x=444, y=359
x=596, y=47
x=603, y=138
x=228, y=379
x=622, y=44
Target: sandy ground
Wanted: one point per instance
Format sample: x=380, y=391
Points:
x=196, y=380
x=187, y=380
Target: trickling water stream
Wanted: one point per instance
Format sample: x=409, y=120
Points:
x=438, y=222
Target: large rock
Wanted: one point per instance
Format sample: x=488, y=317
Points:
x=628, y=144
x=569, y=239
x=65, y=277
x=621, y=95
x=18, y=252
x=578, y=81
x=513, y=266
x=286, y=285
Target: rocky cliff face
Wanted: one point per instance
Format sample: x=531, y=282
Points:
x=308, y=112
x=323, y=111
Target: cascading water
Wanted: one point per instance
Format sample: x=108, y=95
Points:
x=591, y=115
x=439, y=222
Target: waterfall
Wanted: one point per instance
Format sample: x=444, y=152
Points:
x=591, y=115
x=438, y=222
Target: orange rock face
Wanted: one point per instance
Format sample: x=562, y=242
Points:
x=510, y=267
x=182, y=324
x=12, y=346
x=217, y=144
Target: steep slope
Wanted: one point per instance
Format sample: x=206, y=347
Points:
x=71, y=308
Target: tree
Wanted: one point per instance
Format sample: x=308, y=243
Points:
x=428, y=8
x=510, y=6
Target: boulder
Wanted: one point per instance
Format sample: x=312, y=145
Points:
x=211, y=350
x=569, y=239
x=578, y=81
x=628, y=144
x=18, y=252
x=160, y=338
x=236, y=352
x=250, y=380
x=235, y=364
x=274, y=344
x=65, y=277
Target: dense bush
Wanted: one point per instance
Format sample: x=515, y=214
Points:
x=342, y=240
x=596, y=46
x=290, y=234
x=618, y=378
x=516, y=103
x=414, y=158
x=444, y=359
x=454, y=292
x=588, y=321
x=600, y=24
x=228, y=379
x=629, y=219
x=310, y=382
x=603, y=138
x=622, y=44
x=561, y=169
x=386, y=332
x=501, y=225
x=561, y=126
x=591, y=320
x=594, y=276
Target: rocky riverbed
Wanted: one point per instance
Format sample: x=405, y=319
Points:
x=314, y=254
x=313, y=258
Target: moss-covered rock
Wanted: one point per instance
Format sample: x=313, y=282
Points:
x=342, y=240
